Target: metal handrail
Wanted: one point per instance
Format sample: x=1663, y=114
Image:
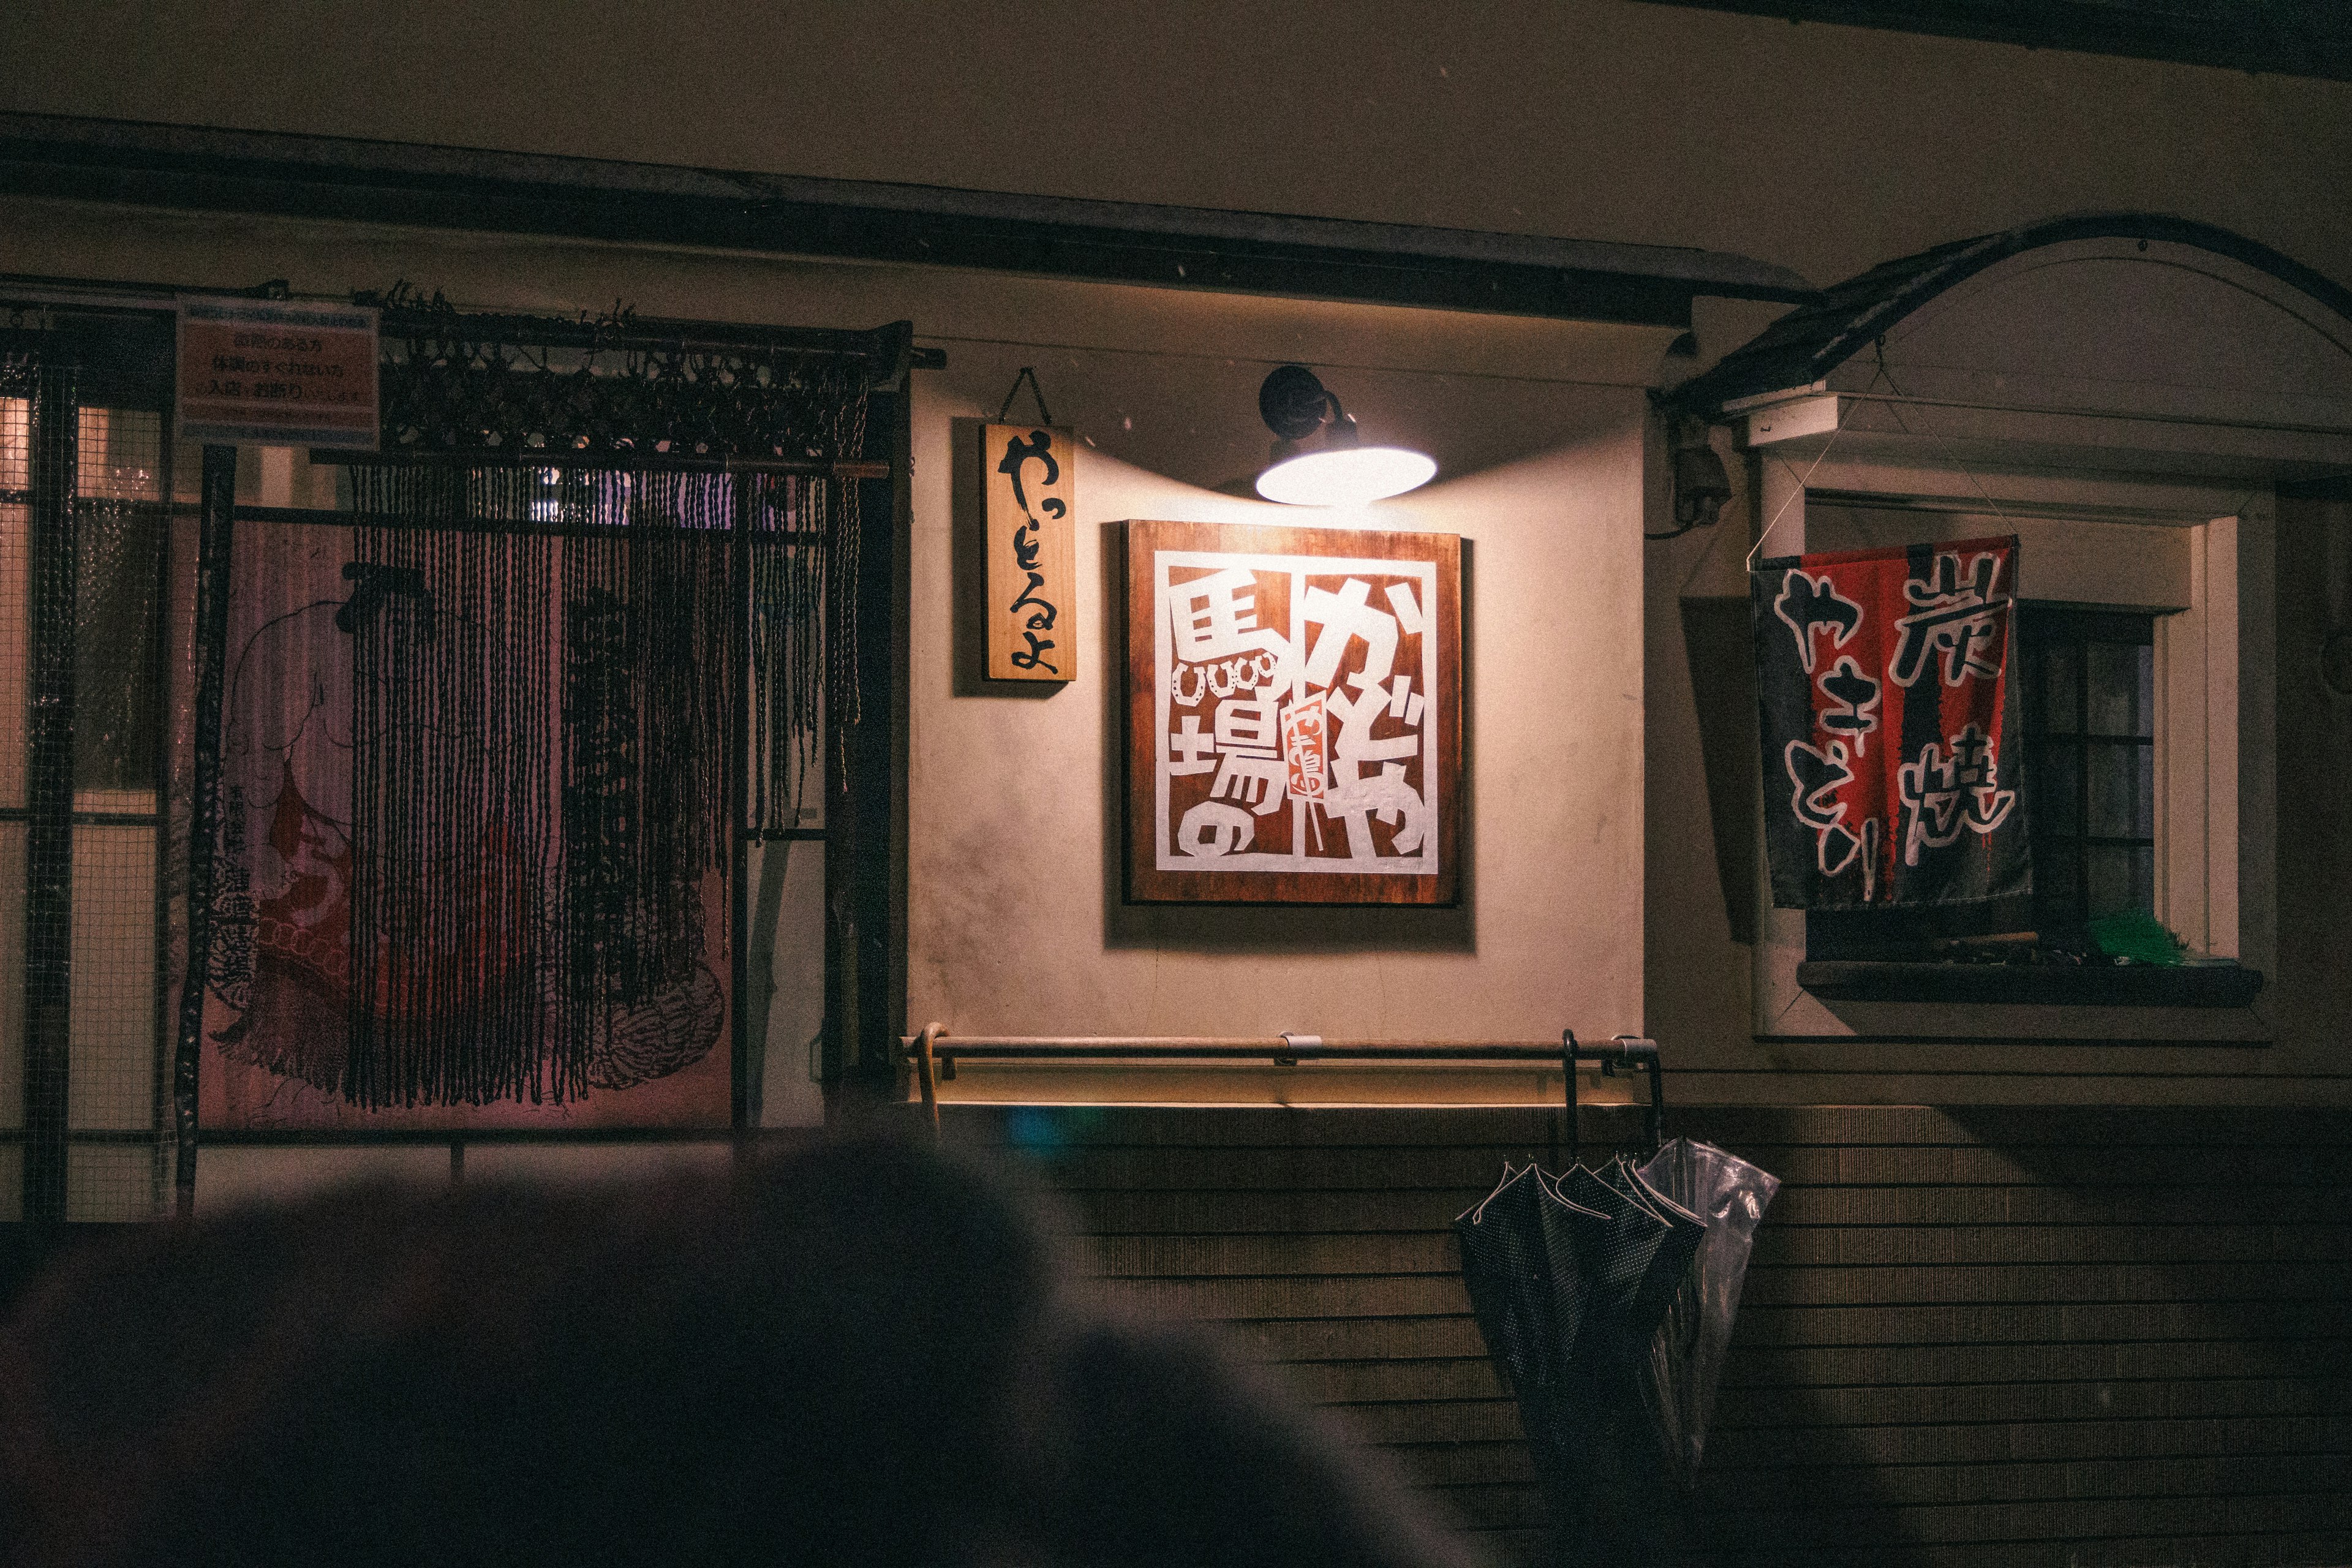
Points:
x=933, y=1055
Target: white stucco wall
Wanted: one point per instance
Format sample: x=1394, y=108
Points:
x=1015, y=919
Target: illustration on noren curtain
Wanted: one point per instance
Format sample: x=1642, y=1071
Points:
x=472, y=830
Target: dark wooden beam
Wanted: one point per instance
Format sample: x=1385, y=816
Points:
x=2277, y=37
x=202, y=168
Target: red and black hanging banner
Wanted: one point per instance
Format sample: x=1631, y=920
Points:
x=1883, y=685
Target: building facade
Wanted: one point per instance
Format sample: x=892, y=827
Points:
x=2056, y=1275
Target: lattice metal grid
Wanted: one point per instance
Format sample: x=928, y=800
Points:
x=98, y=648
x=84, y=541
x=15, y=588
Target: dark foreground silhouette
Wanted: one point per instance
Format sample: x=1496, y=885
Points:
x=856, y=1354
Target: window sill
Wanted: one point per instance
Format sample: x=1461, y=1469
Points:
x=2129, y=985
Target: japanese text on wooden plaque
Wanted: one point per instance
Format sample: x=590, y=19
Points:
x=1029, y=479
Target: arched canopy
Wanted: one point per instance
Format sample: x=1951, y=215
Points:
x=2115, y=340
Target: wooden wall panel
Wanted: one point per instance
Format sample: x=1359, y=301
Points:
x=2073, y=1336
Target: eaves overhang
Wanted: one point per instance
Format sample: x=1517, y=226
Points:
x=2286, y=38
x=211, y=169
x=1798, y=352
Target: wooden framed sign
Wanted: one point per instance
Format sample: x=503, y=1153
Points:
x=1293, y=715
x=1027, y=477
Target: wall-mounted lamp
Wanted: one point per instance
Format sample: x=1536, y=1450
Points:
x=1701, y=485
x=1318, y=458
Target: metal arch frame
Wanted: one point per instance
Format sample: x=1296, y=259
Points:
x=2273, y=45
x=1803, y=347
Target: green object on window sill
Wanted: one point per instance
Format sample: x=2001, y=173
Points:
x=2099, y=984
x=2141, y=938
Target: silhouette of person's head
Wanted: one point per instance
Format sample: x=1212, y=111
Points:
x=853, y=1353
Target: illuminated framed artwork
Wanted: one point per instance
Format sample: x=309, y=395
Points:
x=1293, y=715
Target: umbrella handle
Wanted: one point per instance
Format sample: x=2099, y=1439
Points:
x=1633, y=1048
x=1572, y=1096
x=1624, y=1049
x=926, y=1073
x=1657, y=1099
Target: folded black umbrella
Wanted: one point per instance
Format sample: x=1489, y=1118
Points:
x=1617, y=1258
x=1519, y=1260
x=1591, y=1439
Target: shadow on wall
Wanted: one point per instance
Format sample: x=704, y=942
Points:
x=1270, y=928
x=1822, y=1487
x=1720, y=645
x=2313, y=991
x=2183, y=1343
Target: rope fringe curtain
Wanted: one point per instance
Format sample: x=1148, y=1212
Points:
x=539, y=679
x=490, y=737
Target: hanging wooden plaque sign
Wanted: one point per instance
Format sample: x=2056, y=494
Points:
x=1029, y=481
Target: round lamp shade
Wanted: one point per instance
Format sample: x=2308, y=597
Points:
x=1349, y=476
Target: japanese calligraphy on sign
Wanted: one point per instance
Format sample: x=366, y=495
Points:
x=1890, y=776
x=1026, y=473
x=276, y=371
x=1294, y=714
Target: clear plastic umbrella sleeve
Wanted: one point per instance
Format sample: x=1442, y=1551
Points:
x=1680, y=1375
x=1670, y=1265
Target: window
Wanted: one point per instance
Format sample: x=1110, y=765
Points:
x=2127, y=720
x=2089, y=700
x=86, y=479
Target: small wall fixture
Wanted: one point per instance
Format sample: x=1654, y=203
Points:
x=1701, y=485
x=1318, y=458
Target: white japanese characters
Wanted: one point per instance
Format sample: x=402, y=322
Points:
x=1295, y=706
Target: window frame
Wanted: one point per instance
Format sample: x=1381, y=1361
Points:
x=2041, y=629
x=2213, y=867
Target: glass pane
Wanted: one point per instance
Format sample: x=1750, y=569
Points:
x=785, y=883
x=2123, y=789
x=16, y=595
x=119, y=454
x=2123, y=877
x=2053, y=789
x=787, y=769
x=15, y=443
x=2121, y=689
x=16, y=643
x=117, y=702
x=788, y=644
x=2053, y=873
x=111, y=1073
x=11, y=984
x=113, y=1182
x=2061, y=674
